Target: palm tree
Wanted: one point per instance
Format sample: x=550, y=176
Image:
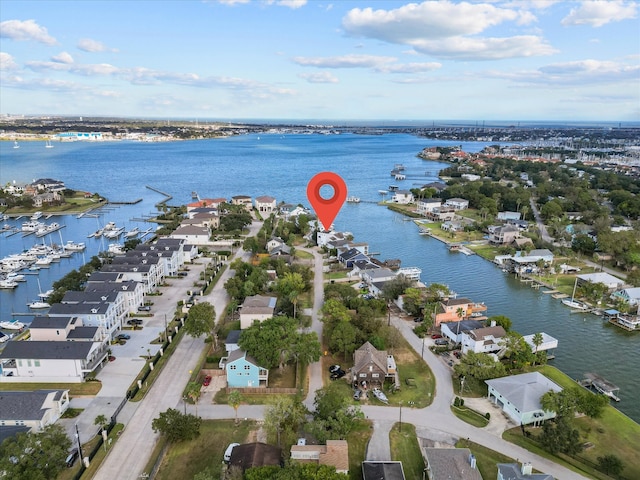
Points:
x=537, y=341
x=235, y=399
x=460, y=312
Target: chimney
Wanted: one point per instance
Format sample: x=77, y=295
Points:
x=527, y=468
x=472, y=461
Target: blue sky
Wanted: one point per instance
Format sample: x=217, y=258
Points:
x=307, y=59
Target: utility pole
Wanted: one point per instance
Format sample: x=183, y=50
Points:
x=79, y=445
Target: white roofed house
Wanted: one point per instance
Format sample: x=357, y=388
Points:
x=427, y=205
x=256, y=309
x=483, y=340
x=403, y=197
x=457, y=203
x=611, y=282
x=145, y=274
x=628, y=295
x=519, y=396
x=266, y=204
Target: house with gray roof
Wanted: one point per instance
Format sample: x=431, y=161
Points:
x=519, y=396
x=132, y=293
x=449, y=463
x=145, y=274
x=483, y=340
x=105, y=315
x=34, y=410
x=192, y=235
x=53, y=362
x=513, y=471
x=256, y=308
x=62, y=329
x=453, y=330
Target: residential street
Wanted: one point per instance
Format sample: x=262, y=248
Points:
x=436, y=423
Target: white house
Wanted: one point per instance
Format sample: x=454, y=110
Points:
x=256, y=309
x=457, y=203
x=427, y=205
x=509, y=216
x=192, y=234
x=548, y=343
x=483, y=340
x=265, y=204
x=34, y=410
x=611, y=282
x=519, y=396
x=403, y=197
x=629, y=295
x=53, y=362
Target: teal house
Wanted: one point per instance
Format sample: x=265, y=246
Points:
x=244, y=372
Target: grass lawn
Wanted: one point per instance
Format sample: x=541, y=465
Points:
x=486, y=251
x=336, y=275
x=301, y=254
x=277, y=379
x=470, y=416
x=486, y=459
x=75, y=389
x=358, y=440
x=185, y=459
x=406, y=449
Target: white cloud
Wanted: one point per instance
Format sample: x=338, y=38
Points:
x=600, y=12
x=447, y=30
x=232, y=2
x=409, y=67
x=25, y=30
x=89, y=45
x=289, y=3
x=322, y=77
x=88, y=70
x=62, y=57
x=344, y=61
x=7, y=62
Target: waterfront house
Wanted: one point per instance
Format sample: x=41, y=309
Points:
x=33, y=410
x=210, y=220
x=256, y=308
x=243, y=371
x=62, y=329
x=519, y=396
x=266, y=204
x=456, y=309
x=350, y=256
x=483, y=340
x=50, y=362
x=503, y=234
x=371, y=366
x=427, y=205
x=374, y=275
x=206, y=203
x=403, y=197
x=453, y=330
x=549, y=344
x=48, y=185
x=146, y=274
x=441, y=214
x=243, y=200
x=611, y=282
x=335, y=454
x=49, y=198
x=105, y=310
x=457, y=203
x=449, y=463
x=630, y=296
x=513, y=471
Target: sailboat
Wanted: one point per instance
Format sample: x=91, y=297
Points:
x=574, y=303
x=48, y=144
x=15, y=144
x=40, y=303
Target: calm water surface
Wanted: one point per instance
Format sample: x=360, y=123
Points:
x=280, y=166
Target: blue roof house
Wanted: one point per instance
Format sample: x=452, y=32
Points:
x=244, y=372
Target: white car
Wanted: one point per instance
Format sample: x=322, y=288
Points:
x=227, y=452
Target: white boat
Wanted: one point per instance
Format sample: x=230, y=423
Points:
x=48, y=144
x=8, y=284
x=110, y=226
x=31, y=226
x=73, y=246
x=12, y=325
x=46, y=294
x=44, y=262
x=4, y=337
x=379, y=394
x=113, y=233
x=36, y=215
x=132, y=233
x=16, y=277
x=38, y=305
x=116, y=248
x=572, y=303
x=16, y=145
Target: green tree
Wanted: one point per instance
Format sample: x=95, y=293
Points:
x=611, y=465
x=558, y=436
x=343, y=338
x=501, y=320
x=235, y=399
x=481, y=366
x=201, y=320
x=413, y=301
x=270, y=342
x=290, y=286
x=306, y=348
x=283, y=416
x=207, y=474
x=537, y=341
x=177, y=427
x=295, y=471
x=35, y=456
x=334, y=417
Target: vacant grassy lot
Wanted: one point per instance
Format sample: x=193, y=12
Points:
x=184, y=460
x=75, y=389
x=406, y=449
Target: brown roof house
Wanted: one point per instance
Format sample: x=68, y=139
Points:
x=335, y=454
x=371, y=366
x=256, y=308
x=256, y=454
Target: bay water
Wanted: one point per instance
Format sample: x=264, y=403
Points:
x=280, y=165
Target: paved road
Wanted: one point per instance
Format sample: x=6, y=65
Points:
x=127, y=459
x=315, y=369
x=541, y=226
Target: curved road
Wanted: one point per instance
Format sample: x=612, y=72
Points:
x=129, y=456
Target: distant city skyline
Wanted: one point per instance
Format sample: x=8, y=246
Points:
x=520, y=60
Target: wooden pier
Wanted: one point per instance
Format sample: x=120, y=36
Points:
x=132, y=202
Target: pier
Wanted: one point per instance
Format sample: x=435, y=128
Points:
x=601, y=385
x=132, y=202
x=162, y=202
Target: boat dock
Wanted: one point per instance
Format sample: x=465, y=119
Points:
x=601, y=385
x=162, y=202
x=132, y=202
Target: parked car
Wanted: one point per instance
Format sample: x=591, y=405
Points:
x=418, y=319
x=457, y=354
x=436, y=335
x=144, y=308
x=334, y=368
x=112, y=358
x=442, y=341
x=135, y=321
x=71, y=458
x=357, y=394
x=227, y=452
x=123, y=336
x=183, y=274
x=207, y=381
x=337, y=374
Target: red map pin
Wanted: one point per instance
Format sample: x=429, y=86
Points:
x=327, y=208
